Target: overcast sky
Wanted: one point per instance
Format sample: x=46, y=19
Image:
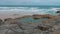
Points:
x=29, y=2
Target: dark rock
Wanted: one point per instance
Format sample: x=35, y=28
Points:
x=42, y=28
x=36, y=16
x=42, y=16
x=1, y=22
x=7, y=19
x=58, y=12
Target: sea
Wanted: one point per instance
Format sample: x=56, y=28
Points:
x=12, y=11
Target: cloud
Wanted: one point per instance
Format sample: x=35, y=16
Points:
x=29, y=2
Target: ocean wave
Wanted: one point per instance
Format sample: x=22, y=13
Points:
x=28, y=10
x=14, y=8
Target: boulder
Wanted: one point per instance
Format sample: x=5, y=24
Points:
x=58, y=12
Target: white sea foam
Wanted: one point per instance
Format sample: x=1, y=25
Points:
x=19, y=11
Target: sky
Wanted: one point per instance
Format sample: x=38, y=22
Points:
x=29, y=2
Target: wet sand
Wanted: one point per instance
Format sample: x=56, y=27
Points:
x=4, y=16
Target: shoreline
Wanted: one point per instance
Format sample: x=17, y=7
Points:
x=13, y=16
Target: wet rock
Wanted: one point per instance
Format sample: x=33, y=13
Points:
x=9, y=32
x=11, y=21
x=47, y=16
x=53, y=21
x=18, y=18
x=42, y=28
x=42, y=16
x=58, y=12
x=26, y=16
x=1, y=21
x=17, y=27
x=36, y=16
x=7, y=19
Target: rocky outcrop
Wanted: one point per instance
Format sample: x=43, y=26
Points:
x=49, y=26
x=54, y=22
x=42, y=16
x=10, y=21
x=58, y=12
x=7, y=19
x=36, y=16
x=1, y=21
x=42, y=28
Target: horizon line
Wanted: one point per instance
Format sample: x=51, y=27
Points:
x=26, y=5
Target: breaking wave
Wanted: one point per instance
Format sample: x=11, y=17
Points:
x=27, y=10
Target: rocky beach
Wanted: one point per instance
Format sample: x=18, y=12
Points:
x=29, y=16
x=31, y=24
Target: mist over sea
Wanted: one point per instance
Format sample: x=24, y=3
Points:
x=7, y=11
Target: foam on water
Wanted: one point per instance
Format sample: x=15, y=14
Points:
x=10, y=11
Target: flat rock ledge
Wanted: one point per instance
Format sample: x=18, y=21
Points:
x=15, y=26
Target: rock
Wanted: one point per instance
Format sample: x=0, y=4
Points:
x=47, y=16
x=10, y=32
x=58, y=12
x=36, y=16
x=57, y=33
x=26, y=16
x=1, y=21
x=7, y=19
x=10, y=21
x=52, y=24
x=18, y=18
x=13, y=22
x=43, y=28
x=56, y=27
x=42, y=16
x=53, y=21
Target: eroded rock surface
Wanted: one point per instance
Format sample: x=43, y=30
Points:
x=28, y=25
x=42, y=16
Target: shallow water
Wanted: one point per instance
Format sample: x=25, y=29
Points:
x=32, y=20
